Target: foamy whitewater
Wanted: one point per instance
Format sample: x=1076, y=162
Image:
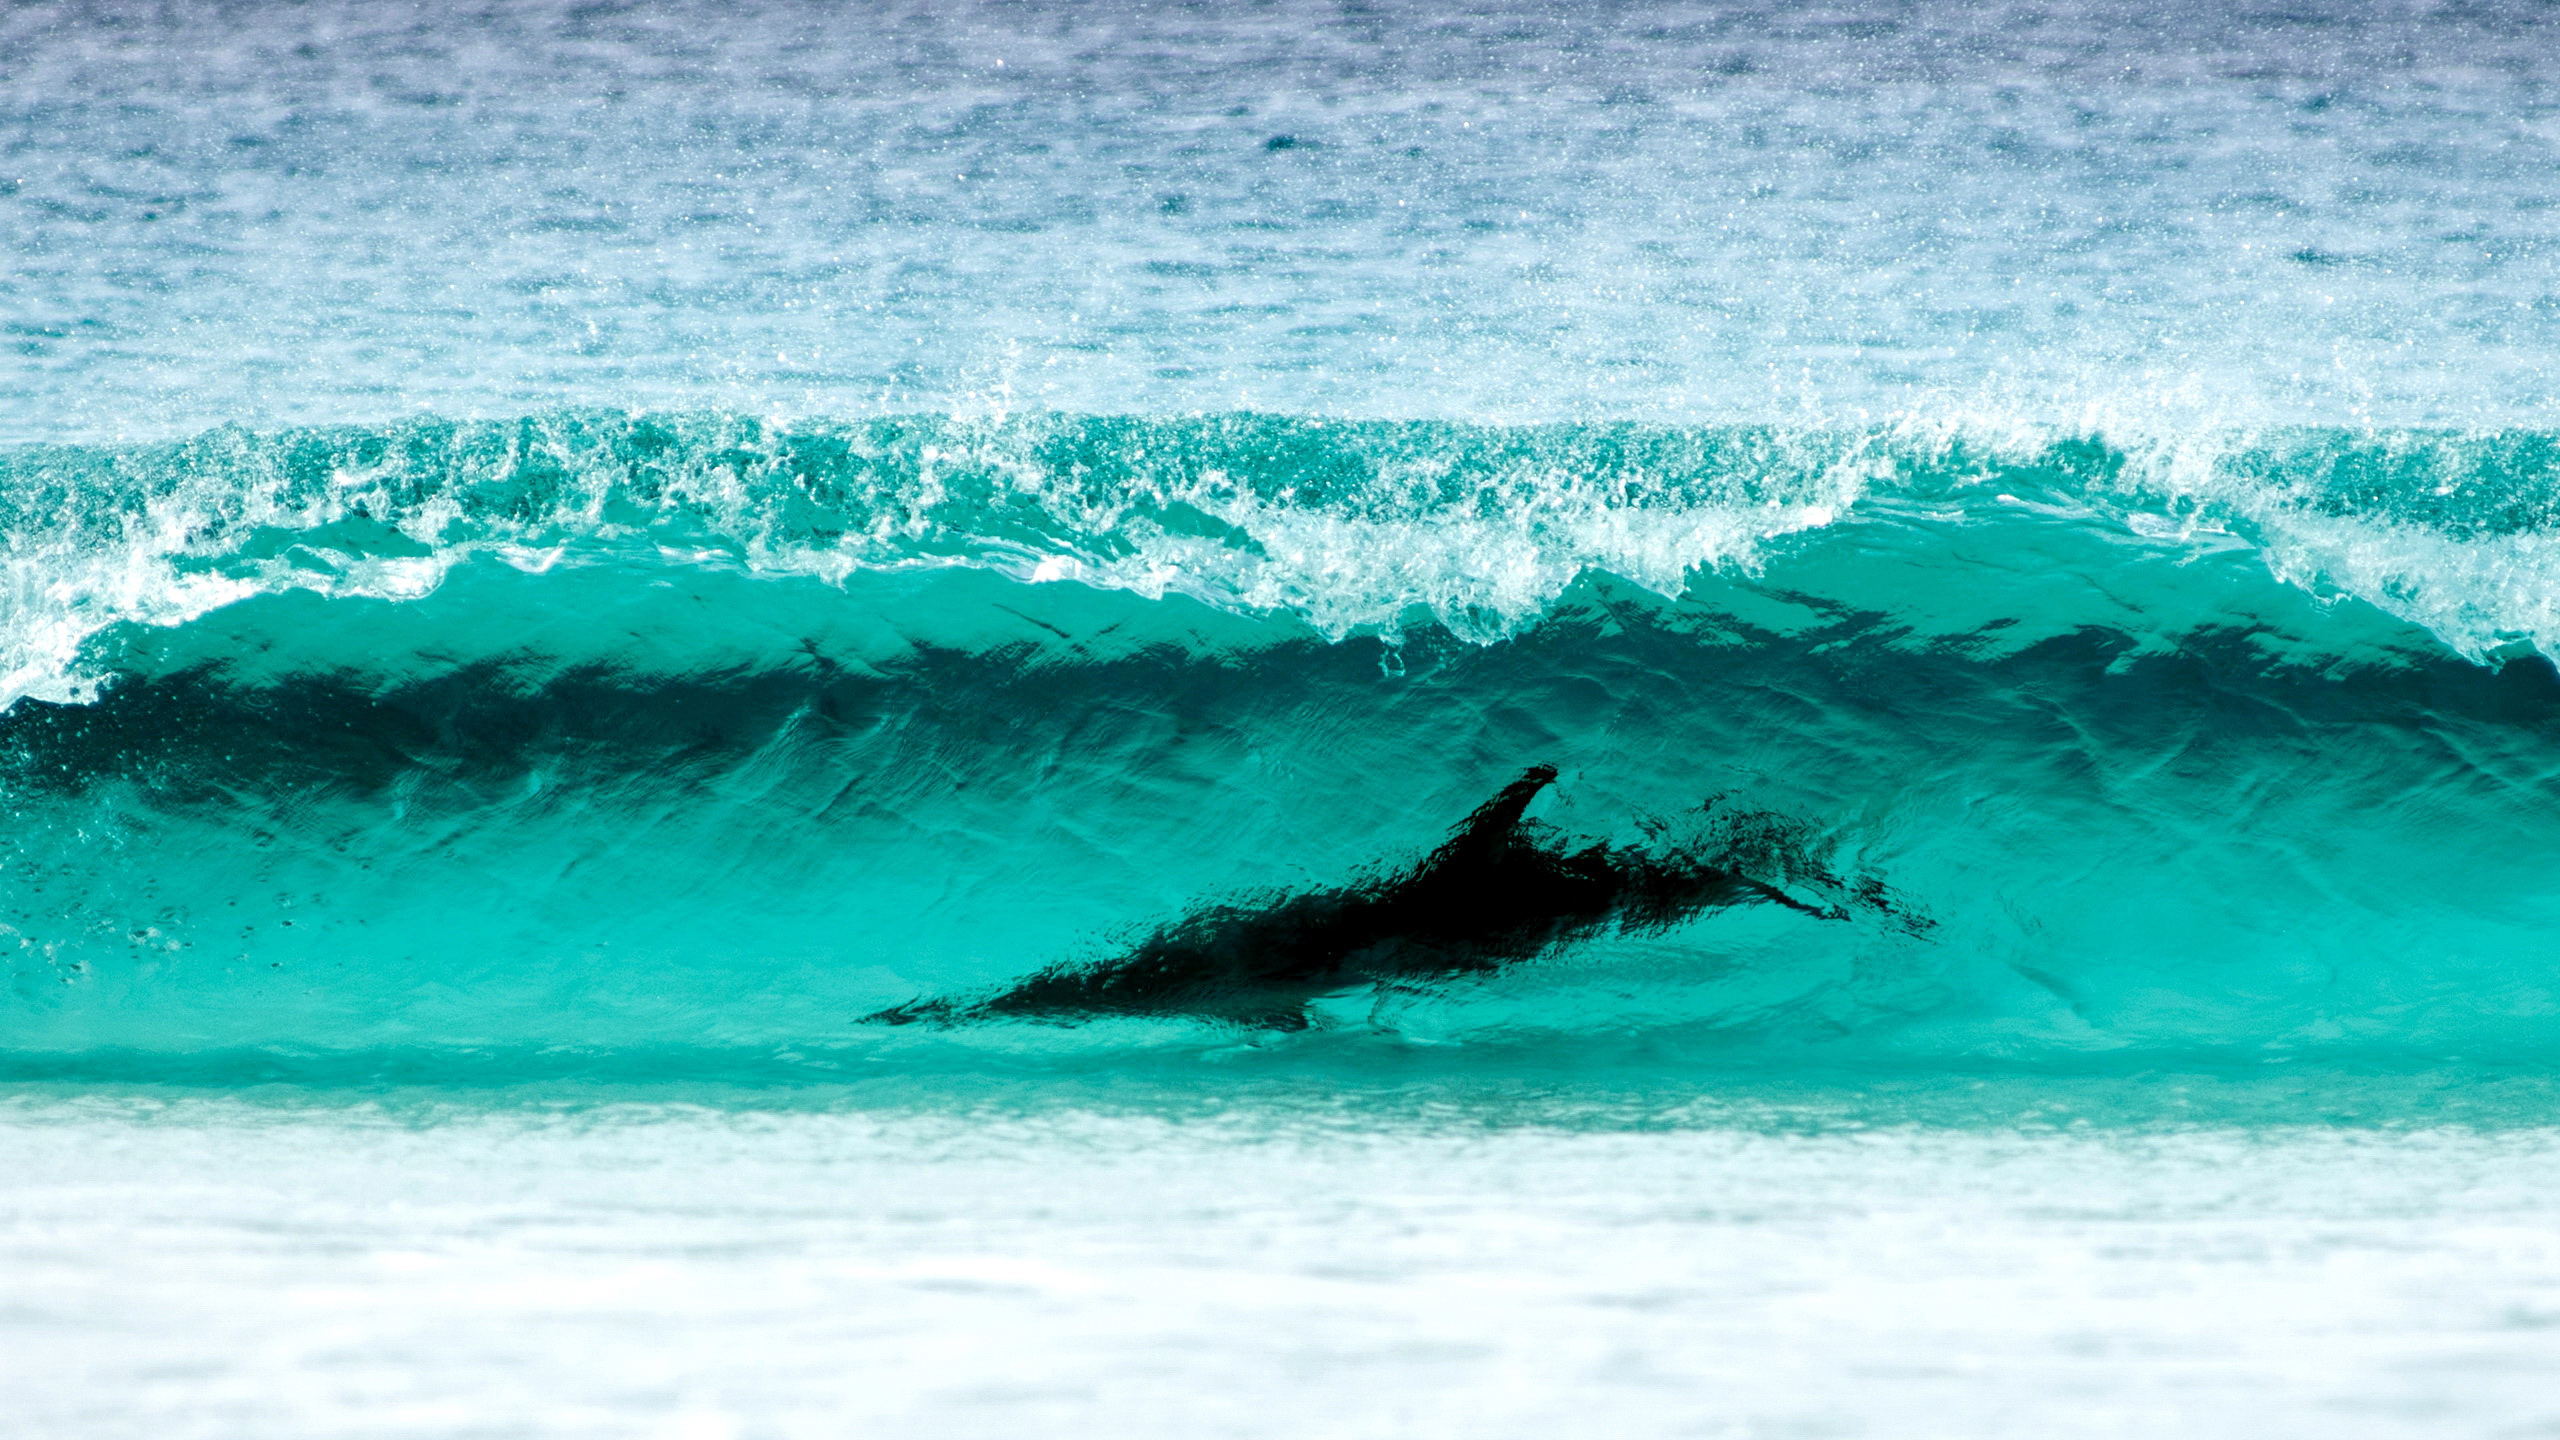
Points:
x=602, y=607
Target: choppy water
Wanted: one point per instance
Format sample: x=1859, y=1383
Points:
x=561, y=561
x=2315, y=213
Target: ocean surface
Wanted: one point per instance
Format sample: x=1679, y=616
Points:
x=565, y=569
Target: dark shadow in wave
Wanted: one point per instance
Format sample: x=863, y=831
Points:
x=1502, y=890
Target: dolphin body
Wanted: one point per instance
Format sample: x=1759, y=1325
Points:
x=1499, y=891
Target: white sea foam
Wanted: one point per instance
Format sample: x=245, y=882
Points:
x=1481, y=538
x=1352, y=528
x=206, y=1270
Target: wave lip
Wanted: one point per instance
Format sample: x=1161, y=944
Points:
x=1352, y=526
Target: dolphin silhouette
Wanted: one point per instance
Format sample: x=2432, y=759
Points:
x=1499, y=891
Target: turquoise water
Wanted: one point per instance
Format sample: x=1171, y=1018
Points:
x=683, y=744
x=559, y=563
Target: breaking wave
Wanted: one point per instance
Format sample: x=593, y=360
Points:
x=593, y=736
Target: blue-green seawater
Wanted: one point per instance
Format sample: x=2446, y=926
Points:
x=593, y=744
x=555, y=557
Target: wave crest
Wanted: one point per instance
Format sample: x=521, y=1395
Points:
x=1352, y=526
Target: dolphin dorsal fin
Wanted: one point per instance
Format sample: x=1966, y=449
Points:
x=1494, y=821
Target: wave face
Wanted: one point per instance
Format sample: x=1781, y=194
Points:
x=593, y=741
